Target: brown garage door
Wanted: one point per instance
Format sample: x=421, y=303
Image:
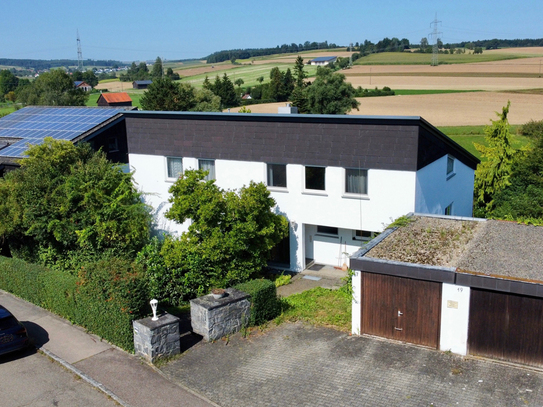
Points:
x=401, y=308
x=506, y=326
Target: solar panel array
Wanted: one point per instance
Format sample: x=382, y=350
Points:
x=33, y=124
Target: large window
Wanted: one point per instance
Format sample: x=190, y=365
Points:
x=356, y=181
x=174, y=167
x=277, y=175
x=450, y=165
x=315, y=178
x=209, y=166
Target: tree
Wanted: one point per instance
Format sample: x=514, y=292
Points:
x=174, y=76
x=230, y=236
x=224, y=89
x=260, y=79
x=522, y=199
x=157, y=71
x=330, y=94
x=297, y=96
x=164, y=94
x=299, y=74
x=492, y=174
x=67, y=202
x=54, y=88
x=239, y=82
x=8, y=83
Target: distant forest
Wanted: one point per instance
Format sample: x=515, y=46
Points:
x=233, y=54
x=41, y=64
x=366, y=47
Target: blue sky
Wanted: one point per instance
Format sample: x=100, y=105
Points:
x=138, y=30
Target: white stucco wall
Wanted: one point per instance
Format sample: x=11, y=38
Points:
x=390, y=194
x=454, y=318
x=356, y=319
x=435, y=190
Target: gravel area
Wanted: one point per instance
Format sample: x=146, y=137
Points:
x=492, y=247
x=505, y=249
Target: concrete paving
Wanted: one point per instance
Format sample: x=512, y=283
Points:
x=302, y=365
x=122, y=376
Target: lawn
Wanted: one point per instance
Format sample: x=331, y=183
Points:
x=319, y=306
x=467, y=135
x=249, y=73
x=414, y=58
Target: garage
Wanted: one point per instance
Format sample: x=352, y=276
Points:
x=506, y=326
x=401, y=308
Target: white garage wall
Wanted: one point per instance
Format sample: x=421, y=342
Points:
x=454, y=318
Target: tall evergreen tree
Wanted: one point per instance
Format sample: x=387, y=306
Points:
x=157, y=70
x=492, y=174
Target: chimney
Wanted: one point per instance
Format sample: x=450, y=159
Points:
x=288, y=109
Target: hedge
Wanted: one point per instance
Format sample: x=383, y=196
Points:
x=104, y=298
x=264, y=303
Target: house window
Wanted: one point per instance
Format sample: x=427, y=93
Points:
x=356, y=181
x=174, y=167
x=209, y=166
x=112, y=145
x=277, y=175
x=364, y=235
x=449, y=210
x=315, y=178
x=450, y=165
x=327, y=230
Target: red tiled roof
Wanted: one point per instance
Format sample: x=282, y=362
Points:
x=118, y=97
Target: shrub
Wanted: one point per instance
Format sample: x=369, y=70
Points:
x=105, y=298
x=264, y=303
x=533, y=129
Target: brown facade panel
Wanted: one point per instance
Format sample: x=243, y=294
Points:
x=401, y=308
x=506, y=326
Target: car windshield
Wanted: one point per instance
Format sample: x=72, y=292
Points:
x=8, y=322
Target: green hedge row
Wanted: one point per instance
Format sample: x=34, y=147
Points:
x=104, y=298
x=264, y=303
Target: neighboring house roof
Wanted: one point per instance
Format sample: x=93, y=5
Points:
x=323, y=59
x=81, y=83
x=378, y=142
x=117, y=97
x=30, y=125
x=492, y=254
x=147, y=82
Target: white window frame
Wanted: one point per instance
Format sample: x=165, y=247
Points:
x=212, y=175
x=449, y=210
x=313, y=191
x=281, y=188
x=364, y=238
x=450, y=169
x=167, y=172
x=347, y=194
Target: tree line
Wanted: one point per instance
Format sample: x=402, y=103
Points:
x=43, y=64
x=233, y=54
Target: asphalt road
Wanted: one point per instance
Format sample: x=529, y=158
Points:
x=30, y=378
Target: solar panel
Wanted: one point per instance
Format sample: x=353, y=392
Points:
x=33, y=124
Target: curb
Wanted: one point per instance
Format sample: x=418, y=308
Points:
x=86, y=378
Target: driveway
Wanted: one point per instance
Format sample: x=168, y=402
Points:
x=300, y=365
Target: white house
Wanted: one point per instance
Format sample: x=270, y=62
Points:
x=322, y=61
x=337, y=179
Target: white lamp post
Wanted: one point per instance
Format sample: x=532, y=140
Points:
x=154, y=306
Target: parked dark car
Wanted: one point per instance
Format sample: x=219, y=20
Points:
x=13, y=334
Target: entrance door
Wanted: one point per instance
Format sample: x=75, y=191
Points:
x=401, y=308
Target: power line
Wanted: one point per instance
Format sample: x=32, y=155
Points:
x=435, y=35
x=79, y=54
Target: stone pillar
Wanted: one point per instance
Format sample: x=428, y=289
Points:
x=157, y=339
x=214, y=318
